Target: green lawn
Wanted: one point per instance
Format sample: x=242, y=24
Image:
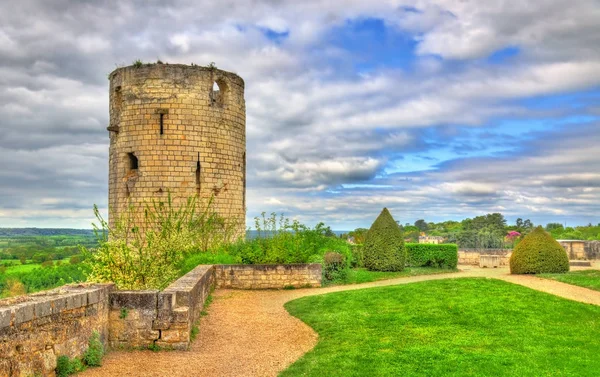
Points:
x=587, y=278
x=362, y=275
x=454, y=327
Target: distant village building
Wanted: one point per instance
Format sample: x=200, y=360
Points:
x=575, y=248
x=431, y=239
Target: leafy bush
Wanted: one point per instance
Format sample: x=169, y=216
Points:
x=144, y=249
x=285, y=241
x=335, y=267
x=66, y=367
x=358, y=258
x=95, y=352
x=384, y=245
x=538, y=253
x=423, y=255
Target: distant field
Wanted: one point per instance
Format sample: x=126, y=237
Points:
x=18, y=268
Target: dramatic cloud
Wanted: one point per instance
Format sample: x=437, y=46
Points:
x=435, y=109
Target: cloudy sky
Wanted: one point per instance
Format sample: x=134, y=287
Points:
x=436, y=109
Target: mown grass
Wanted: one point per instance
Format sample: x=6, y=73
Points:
x=587, y=278
x=453, y=327
x=362, y=275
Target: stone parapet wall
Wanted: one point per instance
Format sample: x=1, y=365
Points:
x=36, y=329
x=268, y=276
x=139, y=319
x=472, y=257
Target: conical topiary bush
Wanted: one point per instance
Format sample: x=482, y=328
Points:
x=384, y=245
x=538, y=253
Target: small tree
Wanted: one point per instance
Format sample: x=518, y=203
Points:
x=384, y=245
x=142, y=249
x=538, y=253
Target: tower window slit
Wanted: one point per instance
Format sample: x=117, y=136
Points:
x=161, y=123
x=133, y=161
x=198, y=169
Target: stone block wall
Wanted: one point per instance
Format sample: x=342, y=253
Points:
x=139, y=319
x=36, y=329
x=575, y=249
x=592, y=250
x=268, y=276
x=471, y=257
x=172, y=132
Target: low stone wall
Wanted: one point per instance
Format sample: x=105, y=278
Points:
x=471, y=257
x=268, y=276
x=36, y=329
x=139, y=319
x=592, y=250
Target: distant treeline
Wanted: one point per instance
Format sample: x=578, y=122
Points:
x=19, y=232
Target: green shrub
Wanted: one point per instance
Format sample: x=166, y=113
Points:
x=283, y=241
x=384, y=245
x=143, y=249
x=335, y=267
x=431, y=255
x=66, y=366
x=538, y=253
x=63, y=366
x=95, y=352
x=358, y=258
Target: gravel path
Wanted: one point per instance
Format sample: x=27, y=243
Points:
x=249, y=333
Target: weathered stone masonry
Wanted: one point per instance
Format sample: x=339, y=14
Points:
x=36, y=329
x=268, y=276
x=171, y=131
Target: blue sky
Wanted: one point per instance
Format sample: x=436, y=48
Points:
x=438, y=110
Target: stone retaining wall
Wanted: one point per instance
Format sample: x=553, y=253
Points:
x=268, y=276
x=139, y=319
x=36, y=329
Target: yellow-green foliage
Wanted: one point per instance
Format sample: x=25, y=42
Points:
x=144, y=251
x=538, y=253
x=384, y=245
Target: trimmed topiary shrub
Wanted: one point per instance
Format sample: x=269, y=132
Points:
x=538, y=253
x=383, y=249
x=424, y=254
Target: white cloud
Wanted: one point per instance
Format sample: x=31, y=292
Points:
x=313, y=124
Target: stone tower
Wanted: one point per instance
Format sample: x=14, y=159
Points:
x=179, y=129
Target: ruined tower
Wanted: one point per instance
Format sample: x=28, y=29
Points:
x=179, y=129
